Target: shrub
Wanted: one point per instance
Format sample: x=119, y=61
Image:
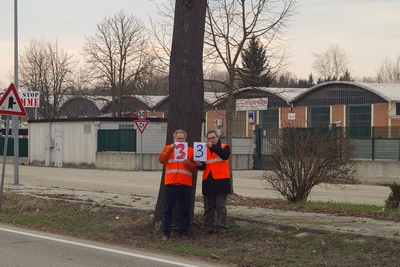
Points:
x=303, y=158
x=393, y=200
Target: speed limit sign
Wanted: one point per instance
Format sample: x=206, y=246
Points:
x=141, y=114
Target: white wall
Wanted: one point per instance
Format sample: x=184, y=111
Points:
x=79, y=142
x=37, y=142
x=79, y=145
x=153, y=138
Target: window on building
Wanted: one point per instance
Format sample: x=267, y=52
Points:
x=397, y=108
x=358, y=121
x=318, y=117
x=240, y=123
x=269, y=119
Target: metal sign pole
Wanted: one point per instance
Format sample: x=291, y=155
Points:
x=15, y=119
x=4, y=160
x=141, y=124
x=141, y=151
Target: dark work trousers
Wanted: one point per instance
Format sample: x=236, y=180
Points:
x=183, y=193
x=215, y=204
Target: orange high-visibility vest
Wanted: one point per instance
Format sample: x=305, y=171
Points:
x=218, y=166
x=176, y=172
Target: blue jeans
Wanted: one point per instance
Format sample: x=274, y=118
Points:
x=172, y=193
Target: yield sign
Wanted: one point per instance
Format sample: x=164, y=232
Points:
x=10, y=103
x=141, y=125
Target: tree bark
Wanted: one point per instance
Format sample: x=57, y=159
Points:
x=186, y=88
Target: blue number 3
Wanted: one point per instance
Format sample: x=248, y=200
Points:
x=199, y=149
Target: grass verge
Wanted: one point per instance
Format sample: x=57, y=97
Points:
x=249, y=244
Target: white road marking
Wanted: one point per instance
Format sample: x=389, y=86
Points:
x=99, y=248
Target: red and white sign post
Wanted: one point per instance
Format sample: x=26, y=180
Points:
x=141, y=124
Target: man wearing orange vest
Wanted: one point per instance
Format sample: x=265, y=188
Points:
x=216, y=184
x=178, y=184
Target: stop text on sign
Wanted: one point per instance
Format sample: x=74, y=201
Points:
x=28, y=99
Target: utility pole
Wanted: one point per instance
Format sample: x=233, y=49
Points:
x=15, y=119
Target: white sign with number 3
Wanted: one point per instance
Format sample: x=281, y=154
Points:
x=200, y=151
x=180, y=151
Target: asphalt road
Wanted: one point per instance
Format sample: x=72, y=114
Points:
x=31, y=249
x=146, y=183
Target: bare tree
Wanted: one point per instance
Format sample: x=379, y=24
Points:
x=81, y=83
x=161, y=32
x=389, y=72
x=366, y=79
x=285, y=80
x=332, y=63
x=45, y=67
x=230, y=24
x=152, y=83
x=215, y=80
x=117, y=55
x=3, y=85
x=304, y=158
x=186, y=89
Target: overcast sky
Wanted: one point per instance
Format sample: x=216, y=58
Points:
x=368, y=31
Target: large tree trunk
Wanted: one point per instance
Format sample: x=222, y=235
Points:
x=186, y=89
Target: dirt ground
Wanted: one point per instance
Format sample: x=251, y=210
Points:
x=264, y=232
x=241, y=208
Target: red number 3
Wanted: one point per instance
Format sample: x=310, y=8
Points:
x=181, y=148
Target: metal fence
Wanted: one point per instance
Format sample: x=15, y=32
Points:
x=372, y=143
x=120, y=140
x=22, y=147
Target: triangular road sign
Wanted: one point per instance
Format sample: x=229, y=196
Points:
x=10, y=103
x=141, y=125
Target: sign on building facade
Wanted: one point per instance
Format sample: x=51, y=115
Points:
x=252, y=104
